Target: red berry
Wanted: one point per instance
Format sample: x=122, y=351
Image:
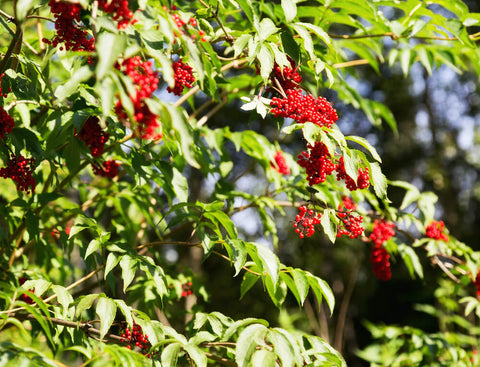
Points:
x=304, y=107
x=435, y=230
x=317, y=162
x=20, y=169
x=6, y=122
x=183, y=77
x=281, y=164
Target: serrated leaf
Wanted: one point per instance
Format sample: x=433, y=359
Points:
x=106, y=310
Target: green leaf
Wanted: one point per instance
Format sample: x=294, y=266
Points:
x=318, y=31
x=379, y=181
x=125, y=310
x=63, y=297
x=85, y=303
x=65, y=90
x=128, y=265
x=180, y=185
x=307, y=39
x=364, y=143
x=112, y=45
x=411, y=260
x=269, y=260
x=247, y=343
x=266, y=59
x=287, y=279
x=290, y=46
x=196, y=354
x=248, y=282
x=93, y=246
x=112, y=261
x=283, y=349
x=266, y=28
x=321, y=289
x=289, y=9
x=264, y=358
x=237, y=252
x=405, y=57
x=301, y=281
x=170, y=355
x=240, y=44
x=106, y=310
x=329, y=227
x=71, y=153
x=184, y=135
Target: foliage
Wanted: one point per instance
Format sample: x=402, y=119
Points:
x=101, y=171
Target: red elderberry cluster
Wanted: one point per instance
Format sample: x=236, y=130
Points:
x=281, y=165
x=93, y=136
x=186, y=289
x=3, y=94
x=382, y=231
x=107, y=169
x=363, y=179
x=306, y=221
x=317, y=162
x=69, y=30
x=435, y=230
x=183, y=77
x=136, y=338
x=146, y=81
x=351, y=225
x=6, y=123
x=379, y=258
x=304, y=107
x=119, y=8
x=20, y=169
